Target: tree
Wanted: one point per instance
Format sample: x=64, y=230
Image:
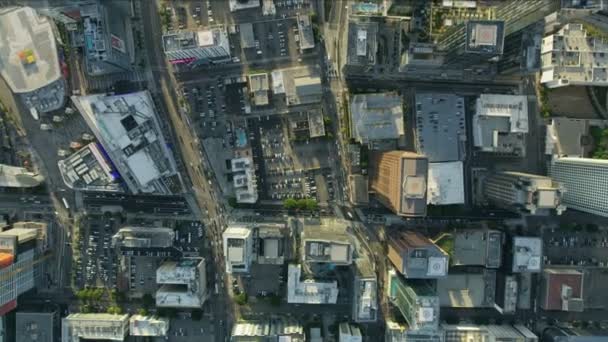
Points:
x=301, y=203
x=311, y=204
x=241, y=298
x=142, y=312
x=290, y=203
x=114, y=309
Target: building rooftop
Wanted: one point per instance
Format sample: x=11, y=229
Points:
x=359, y=193
x=148, y=326
x=89, y=169
x=309, y=291
x=327, y=242
x=376, y=117
x=568, y=137
x=186, y=46
x=467, y=290
x=302, y=85
x=417, y=301
x=440, y=127
x=416, y=256
x=239, y=5
x=500, y=122
x=365, y=291
x=275, y=329
x=96, y=326
x=182, y=283
x=349, y=332
x=258, y=86
x=244, y=180
x=28, y=52
x=477, y=248
x=445, y=183
x=238, y=241
x=362, y=43
x=35, y=326
x=306, y=37
x=247, y=35
x=527, y=254
x=485, y=37
x=19, y=177
x=573, y=56
x=562, y=290
x=129, y=129
x=144, y=237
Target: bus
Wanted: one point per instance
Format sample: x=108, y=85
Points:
x=65, y=203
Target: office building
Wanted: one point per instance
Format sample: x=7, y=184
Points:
x=376, y=117
x=481, y=247
x=258, y=88
x=533, y=194
x=349, y=333
x=30, y=61
x=20, y=252
x=36, y=326
x=527, y=254
x=562, y=290
x=88, y=169
x=416, y=256
x=445, y=183
x=94, y=326
x=502, y=333
x=272, y=243
x=500, y=124
x=399, y=181
x=108, y=38
x=567, y=137
x=468, y=290
x=573, y=56
x=238, y=248
x=362, y=45
x=240, y=5
x=131, y=134
x=244, y=180
x=326, y=241
x=365, y=291
x=585, y=182
x=274, y=329
x=440, y=127
x=183, y=284
x=19, y=177
x=507, y=293
x=145, y=241
x=305, y=36
x=210, y=45
x=482, y=41
x=416, y=300
x=149, y=326
x=303, y=289
x=358, y=186
x=299, y=85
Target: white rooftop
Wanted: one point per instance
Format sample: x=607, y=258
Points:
x=527, y=254
x=183, y=283
x=244, y=180
x=148, y=326
x=98, y=326
x=205, y=38
x=19, y=177
x=513, y=107
x=309, y=291
x=376, y=117
x=182, y=272
x=28, y=53
x=445, y=183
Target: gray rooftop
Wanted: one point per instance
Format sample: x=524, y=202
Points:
x=28, y=54
x=440, y=126
x=376, y=117
x=35, y=327
x=570, y=137
x=307, y=39
x=467, y=290
x=247, y=36
x=362, y=43
x=485, y=37
x=478, y=248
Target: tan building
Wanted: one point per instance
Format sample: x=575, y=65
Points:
x=399, y=179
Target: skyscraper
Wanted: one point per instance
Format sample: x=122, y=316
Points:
x=585, y=181
x=399, y=180
x=523, y=191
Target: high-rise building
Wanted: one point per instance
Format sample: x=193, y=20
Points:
x=585, y=181
x=399, y=180
x=416, y=256
x=365, y=292
x=416, y=300
x=238, y=248
x=204, y=46
x=523, y=191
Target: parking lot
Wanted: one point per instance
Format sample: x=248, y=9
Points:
x=580, y=248
x=98, y=265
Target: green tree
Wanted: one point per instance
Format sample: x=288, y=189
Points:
x=290, y=203
x=301, y=203
x=311, y=204
x=241, y=298
x=142, y=312
x=114, y=309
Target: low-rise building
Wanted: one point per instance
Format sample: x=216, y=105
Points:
x=468, y=290
x=274, y=329
x=568, y=137
x=36, y=326
x=258, y=87
x=149, y=326
x=238, y=248
x=183, y=284
x=416, y=256
x=94, y=326
x=376, y=117
x=527, y=254
x=205, y=46
x=416, y=300
x=562, y=290
x=300, y=85
x=502, y=333
x=309, y=291
x=244, y=180
x=145, y=241
x=272, y=242
x=477, y=248
x=305, y=36
x=349, y=333
x=19, y=177
x=533, y=194
x=359, y=193
x=574, y=56
x=440, y=127
x=129, y=129
x=500, y=124
x=445, y=183
x=240, y=5
x=362, y=45
x=365, y=292
x=30, y=60
x=327, y=241
x=88, y=169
